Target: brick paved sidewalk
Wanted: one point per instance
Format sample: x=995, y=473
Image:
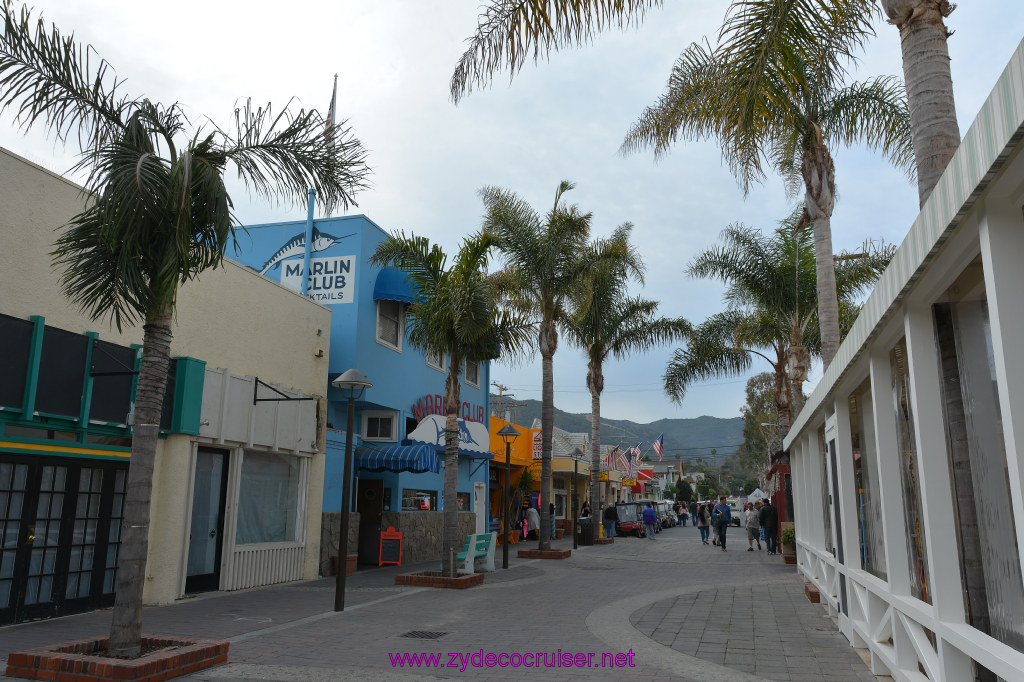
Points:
x=685, y=611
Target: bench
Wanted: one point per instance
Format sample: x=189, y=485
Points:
x=480, y=546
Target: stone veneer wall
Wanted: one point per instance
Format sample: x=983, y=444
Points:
x=421, y=533
x=329, y=538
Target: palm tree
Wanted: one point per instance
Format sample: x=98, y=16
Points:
x=546, y=261
x=454, y=313
x=157, y=214
x=773, y=89
x=771, y=311
x=923, y=38
x=606, y=322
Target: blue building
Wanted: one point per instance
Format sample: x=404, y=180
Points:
x=398, y=472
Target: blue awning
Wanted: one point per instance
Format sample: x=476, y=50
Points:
x=416, y=459
x=391, y=285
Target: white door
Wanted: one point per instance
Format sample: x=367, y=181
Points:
x=480, y=506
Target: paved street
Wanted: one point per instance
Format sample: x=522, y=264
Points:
x=684, y=610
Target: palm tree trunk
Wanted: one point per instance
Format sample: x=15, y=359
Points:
x=799, y=364
x=548, y=339
x=126, y=622
x=450, y=516
x=819, y=199
x=929, y=83
x=595, y=382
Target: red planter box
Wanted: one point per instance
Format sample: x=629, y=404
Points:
x=545, y=553
x=77, y=660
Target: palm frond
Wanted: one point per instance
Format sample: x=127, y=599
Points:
x=509, y=31
x=48, y=78
x=279, y=156
x=873, y=112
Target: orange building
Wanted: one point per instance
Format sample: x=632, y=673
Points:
x=520, y=460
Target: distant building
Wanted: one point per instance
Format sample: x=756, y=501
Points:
x=399, y=423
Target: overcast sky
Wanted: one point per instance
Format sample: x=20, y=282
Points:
x=562, y=119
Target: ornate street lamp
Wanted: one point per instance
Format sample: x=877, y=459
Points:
x=352, y=384
x=508, y=434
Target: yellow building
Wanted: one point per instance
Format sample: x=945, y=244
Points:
x=65, y=413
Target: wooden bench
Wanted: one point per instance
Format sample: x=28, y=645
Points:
x=480, y=546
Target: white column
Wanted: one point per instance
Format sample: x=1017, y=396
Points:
x=890, y=480
x=847, y=486
x=1002, y=247
x=937, y=514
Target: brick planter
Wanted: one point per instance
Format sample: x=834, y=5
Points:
x=603, y=541
x=438, y=579
x=813, y=595
x=73, y=661
x=544, y=553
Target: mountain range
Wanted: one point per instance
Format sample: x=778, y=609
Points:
x=684, y=438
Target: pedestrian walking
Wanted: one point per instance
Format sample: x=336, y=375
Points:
x=551, y=515
x=650, y=521
x=752, y=521
x=611, y=517
x=693, y=512
x=532, y=521
x=769, y=519
x=703, y=523
x=724, y=514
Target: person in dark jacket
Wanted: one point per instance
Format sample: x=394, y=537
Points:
x=723, y=512
x=611, y=517
x=693, y=512
x=769, y=518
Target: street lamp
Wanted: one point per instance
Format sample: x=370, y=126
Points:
x=352, y=384
x=508, y=434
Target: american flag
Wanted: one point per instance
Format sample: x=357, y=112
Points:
x=659, y=446
x=610, y=459
x=626, y=464
x=635, y=450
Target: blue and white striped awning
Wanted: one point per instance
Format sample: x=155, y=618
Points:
x=416, y=459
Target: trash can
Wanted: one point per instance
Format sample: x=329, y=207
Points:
x=586, y=531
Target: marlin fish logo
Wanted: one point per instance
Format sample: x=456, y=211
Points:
x=464, y=434
x=296, y=246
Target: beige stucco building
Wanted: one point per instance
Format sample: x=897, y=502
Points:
x=237, y=484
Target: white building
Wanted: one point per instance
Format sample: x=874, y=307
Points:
x=907, y=470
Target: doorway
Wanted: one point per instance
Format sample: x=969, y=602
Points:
x=205, y=540
x=370, y=505
x=60, y=520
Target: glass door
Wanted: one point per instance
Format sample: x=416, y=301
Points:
x=204, y=546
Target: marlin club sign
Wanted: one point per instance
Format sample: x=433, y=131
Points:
x=329, y=278
x=434, y=404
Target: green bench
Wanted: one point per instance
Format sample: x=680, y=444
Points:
x=479, y=546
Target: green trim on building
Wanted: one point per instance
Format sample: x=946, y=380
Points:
x=188, y=395
x=35, y=355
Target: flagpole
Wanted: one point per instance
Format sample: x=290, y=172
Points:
x=309, y=242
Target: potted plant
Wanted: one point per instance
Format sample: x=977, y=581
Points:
x=788, y=541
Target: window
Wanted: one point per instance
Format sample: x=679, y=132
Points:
x=865, y=473
x=379, y=426
x=434, y=360
x=268, y=498
x=389, y=324
x=990, y=563
x=463, y=500
x=909, y=472
x=419, y=500
x=473, y=373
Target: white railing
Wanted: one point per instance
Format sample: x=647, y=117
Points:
x=263, y=564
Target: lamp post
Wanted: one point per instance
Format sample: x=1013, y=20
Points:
x=508, y=434
x=352, y=384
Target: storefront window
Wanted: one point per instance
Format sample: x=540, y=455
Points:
x=389, y=323
x=909, y=472
x=268, y=498
x=865, y=473
x=463, y=501
x=987, y=539
x=419, y=500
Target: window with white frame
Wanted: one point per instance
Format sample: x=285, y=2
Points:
x=435, y=360
x=269, y=500
x=389, y=324
x=380, y=426
x=473, y=373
